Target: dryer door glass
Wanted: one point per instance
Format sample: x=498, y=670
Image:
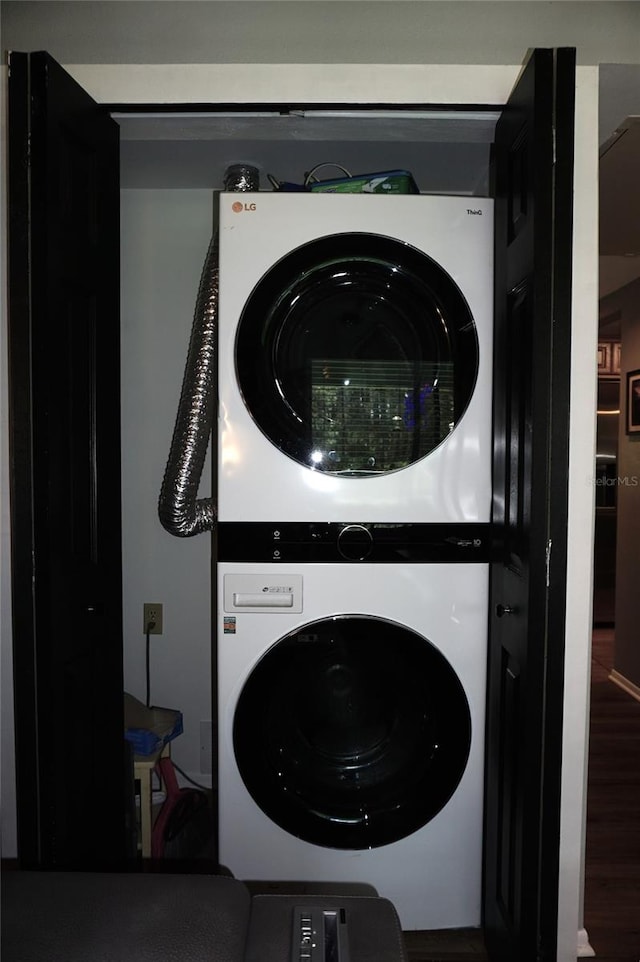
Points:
x=356, y=355
x=352, y=732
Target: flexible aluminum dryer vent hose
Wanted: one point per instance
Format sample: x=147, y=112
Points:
x=179, y=509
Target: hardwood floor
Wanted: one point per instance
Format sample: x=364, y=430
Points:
x=612, y=877
x=457, y=945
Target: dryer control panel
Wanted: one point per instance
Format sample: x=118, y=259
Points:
x=354, y=542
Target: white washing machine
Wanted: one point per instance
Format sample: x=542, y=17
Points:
x=351, y=729
x=355, y=357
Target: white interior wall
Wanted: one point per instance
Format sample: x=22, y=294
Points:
x=165, y=235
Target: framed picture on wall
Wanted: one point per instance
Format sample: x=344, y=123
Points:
x=633, y=402
x=608, y=358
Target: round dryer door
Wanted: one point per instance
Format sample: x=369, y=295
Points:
x=352, y=732
x=356, y=355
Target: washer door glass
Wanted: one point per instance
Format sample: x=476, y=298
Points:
x=352, y=732
x=356, y=355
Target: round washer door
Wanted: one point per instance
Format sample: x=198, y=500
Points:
x=352, y=732
x=356, y=355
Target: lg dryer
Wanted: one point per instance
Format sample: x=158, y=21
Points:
x=355, y=355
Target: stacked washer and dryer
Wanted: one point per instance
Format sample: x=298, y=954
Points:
x=354, y=495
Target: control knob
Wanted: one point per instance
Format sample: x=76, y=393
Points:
x=355, y=542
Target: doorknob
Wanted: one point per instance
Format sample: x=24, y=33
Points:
x=502, y=610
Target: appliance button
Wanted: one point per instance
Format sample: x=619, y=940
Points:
x=355, y=542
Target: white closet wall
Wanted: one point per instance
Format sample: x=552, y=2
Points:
x=165, y=234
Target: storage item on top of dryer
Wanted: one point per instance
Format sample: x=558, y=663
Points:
x=241, y=177
x=308, y=178
x=381, y=182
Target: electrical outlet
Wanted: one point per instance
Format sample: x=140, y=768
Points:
x=152, y=613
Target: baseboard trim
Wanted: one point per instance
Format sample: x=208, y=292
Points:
x=625, y=684
x=585, y=950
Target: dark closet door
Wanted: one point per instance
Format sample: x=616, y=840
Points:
x=65, y=470
x=533, y=188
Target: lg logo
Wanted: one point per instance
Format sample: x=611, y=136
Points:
x=238, y=207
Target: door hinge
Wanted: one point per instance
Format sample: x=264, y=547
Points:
x=548, y=561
